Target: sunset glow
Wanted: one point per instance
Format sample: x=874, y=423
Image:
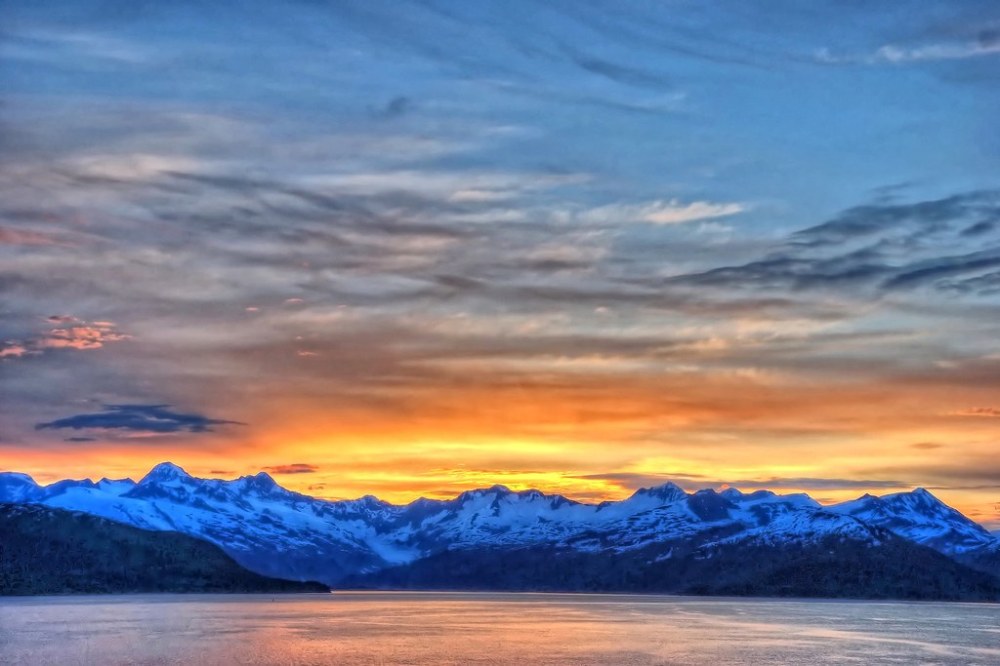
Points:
x=387, y=250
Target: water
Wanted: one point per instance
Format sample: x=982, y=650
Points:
x=446, y=628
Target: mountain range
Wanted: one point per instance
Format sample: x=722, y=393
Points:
x=55, y=551
x=908, y=545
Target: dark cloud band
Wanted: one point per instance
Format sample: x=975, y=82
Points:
x=136, y=418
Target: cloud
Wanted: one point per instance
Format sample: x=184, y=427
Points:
x=817, y=483
x=902, y=219
x=880, y=247
x=641, y=479
x=69, y=333
x=395, y=107
x=80, y=337
x=619, y=73
x=634, y=481
x=9, y=236
x=156, y=419
x=451, y=286
x=970, y=471
x=926, y=446
x=986, y=412
x=52, y=45
x=12, y=349
x=671, y=211
x=893, y=54
x=294, y=468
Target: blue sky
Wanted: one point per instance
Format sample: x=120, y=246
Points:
x=747, y=240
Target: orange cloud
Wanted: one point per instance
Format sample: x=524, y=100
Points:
x=9, y=236
x=71, y=333
x=11, y=349
x=79, y=337
x=988, y=412
x=294, y=468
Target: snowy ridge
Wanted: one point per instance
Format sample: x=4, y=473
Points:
x=278, y=532
x=920, y=517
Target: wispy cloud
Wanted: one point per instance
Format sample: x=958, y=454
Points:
x=564, y=232
x=882, y=247
x=52, y=45
x=672, y=211
x=68, y=333
x=12, y=349
x=634, y=481
x=293, y=468
x=926, y=446
x=155, y=419
x=11, y=236
x=84, y=336
x=986, y=42
x=983, y=412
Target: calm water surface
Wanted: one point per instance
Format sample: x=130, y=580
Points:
x=445, y=628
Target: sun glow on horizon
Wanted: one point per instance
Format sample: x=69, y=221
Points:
x=410, y=251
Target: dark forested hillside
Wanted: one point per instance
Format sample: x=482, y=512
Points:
x=895, y=569
x=53, y=551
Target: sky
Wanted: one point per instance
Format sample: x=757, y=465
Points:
x=414, y=247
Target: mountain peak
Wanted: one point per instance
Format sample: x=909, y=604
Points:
x=165, y=471
x=920, y=500
x=264, y=477
x=18, y=477
x=497, y=489
x=917, y=496
x=732, y=494
x=17, y=487
x=668, y=492
x=738, y=496
x=262, y=482
x=368, y=504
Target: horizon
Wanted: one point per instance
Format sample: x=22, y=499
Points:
x=414, y=248
x=688, y=489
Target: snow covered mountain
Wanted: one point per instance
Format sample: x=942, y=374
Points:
x=277, y=532
x=920, y=517
x=44, y=550
x=261, y=525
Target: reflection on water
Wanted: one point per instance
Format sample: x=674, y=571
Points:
x=445, y=628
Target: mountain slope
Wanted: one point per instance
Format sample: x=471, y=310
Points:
x=920, y=517
x=264, y=527
x=54, y=551
x=280, y=533
x=828, y=567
